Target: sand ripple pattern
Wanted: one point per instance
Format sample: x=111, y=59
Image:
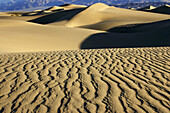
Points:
x=103, y=80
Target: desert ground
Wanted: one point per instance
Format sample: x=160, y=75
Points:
x=74, y=58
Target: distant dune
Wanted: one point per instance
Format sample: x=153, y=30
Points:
x=74, y=58
x=165, y=9
x=99, y=17
x=147, y=8
x=4, y=14
x=162, y=9
x=106, y=27
x=103, y=17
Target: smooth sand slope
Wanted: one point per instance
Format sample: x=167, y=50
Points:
x=19, y=36
x=102, y=17
x=31, y=15
x=99, y=16
x=107, y=80
x=122, y=28
x=2, y=14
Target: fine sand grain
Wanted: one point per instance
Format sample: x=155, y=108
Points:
x=106, y=80
x=42, y=68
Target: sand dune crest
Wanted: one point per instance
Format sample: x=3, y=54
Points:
x=54, y=8
x=162, y=9
x=72, y=6
x=148, y=8
x=102, y=17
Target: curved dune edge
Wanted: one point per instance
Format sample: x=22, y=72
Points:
x=20, y=36
x=100, y=16
x=99, y=80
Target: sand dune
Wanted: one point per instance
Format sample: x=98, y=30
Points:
x=30, y=15
x=57, y=18
x=20, y=36
x=4, y=14
x=99, y=17
x=42, y=68
x=162, y=9
x=147, y=27
x=147, y=8
x=165, y=9
x=54, y=8
x=27, y=37
x=102, y=17
x=72, y=6
x=106, y=80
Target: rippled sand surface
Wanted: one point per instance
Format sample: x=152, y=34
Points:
x=95, y=80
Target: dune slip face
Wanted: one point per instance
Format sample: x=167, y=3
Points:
x=94, y=80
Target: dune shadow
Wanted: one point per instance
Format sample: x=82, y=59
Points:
x=162, y=10
x=57, y=16
x=132, y=28
x=127, y=40
x=64, y=5
x=39, y=12
x=153, y=34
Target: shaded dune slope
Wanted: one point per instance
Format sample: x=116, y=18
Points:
x=111, y=80
x=99, y=17
x=149, y=38
x=162, y=9
x=25, y=36
x=59, y=17
x=132, y=28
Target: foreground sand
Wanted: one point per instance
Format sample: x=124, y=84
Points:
x=101, y=80
x=91, y=80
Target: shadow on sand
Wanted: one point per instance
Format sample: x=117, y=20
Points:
x=57, y=16
x=109, y=40
x=152, y=37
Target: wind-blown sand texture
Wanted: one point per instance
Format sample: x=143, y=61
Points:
x=96, y=80
x=42, y=68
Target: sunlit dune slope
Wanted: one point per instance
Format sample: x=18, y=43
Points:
x=19, y=36
x=4, y=14
x=147, y=8
x=102, y=17
x=106, y=27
